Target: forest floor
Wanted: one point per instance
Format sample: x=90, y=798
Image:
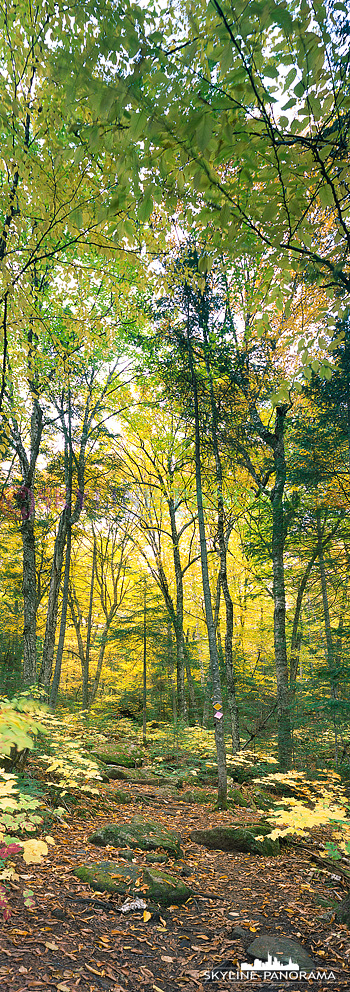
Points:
x=75, y=939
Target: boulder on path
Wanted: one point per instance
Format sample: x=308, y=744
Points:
x=140, y=776
x=149, y=882
x=147, y=835
x=343, y=911
x=118, y=757
x=238, y=839
x=281, y=948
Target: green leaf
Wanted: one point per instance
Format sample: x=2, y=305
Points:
x=145, y=208
x=204, y=132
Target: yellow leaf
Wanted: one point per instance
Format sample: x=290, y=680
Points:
x=146, y=916
x=33, y=851
x=49, y=840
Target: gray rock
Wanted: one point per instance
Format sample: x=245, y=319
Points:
x=138, y=775
x=238, y=839
x=281, y=948
x=118, y=758
x=343, y=911
x=148, y=882
x=147, y=835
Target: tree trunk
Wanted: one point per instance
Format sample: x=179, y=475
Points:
x=193, y=709
x=328, y=629
x=144, y=667
x=230, y=678
x=327, y=622
x=85, y=686
x=26, y=505
x=213, y=653
x=179, y=629
x=285, y=749
x=29, y=602
x=63, y=622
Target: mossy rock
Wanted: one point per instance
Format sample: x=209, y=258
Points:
x=147, y=835
x=118, y=757
x=343, y=911
x=137, y=775
x=150, y=882
x=122, y=797
x=196, y=796
x=236, y=797
x=262, y=799
x=238, y=839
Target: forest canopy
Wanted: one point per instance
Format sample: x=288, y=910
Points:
x=174, y=393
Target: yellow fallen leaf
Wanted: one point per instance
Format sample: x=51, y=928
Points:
x=146, y=916
x=49, y=840
x=33, y=851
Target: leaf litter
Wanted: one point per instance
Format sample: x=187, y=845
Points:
x=72, y=939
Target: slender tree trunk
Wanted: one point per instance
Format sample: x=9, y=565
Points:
x=144, y=667
x=296, y=641
x=191, y=691
x=85, y=686
x=29, y=602
x=63, y=622
x=285, y=748
x=214, y=661
x=230, y=677
x=52, y=608
x=327, y=621
x=179, y=629
x=26, y=505
x=328, y=629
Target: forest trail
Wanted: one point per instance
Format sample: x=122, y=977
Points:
x=76, y=939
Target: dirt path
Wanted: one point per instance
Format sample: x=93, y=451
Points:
x=69, y=944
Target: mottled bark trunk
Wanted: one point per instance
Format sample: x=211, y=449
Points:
x=52, y=608
x=86, y=672
x=179, y=629
x=328, y=629
x=327, y=621
x=191, y=690
x=29, y=603
x=144, y=667
x=213, y=653
x=230, y=678
x=279, y=597
x=296, y=640
x=63, y=623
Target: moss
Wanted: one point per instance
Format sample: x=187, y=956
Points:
x=238, y=839
x=122, y=797
x=150, y=883
x=117, y=757
x=196, y=796
x=147, y=835
x=236, y=797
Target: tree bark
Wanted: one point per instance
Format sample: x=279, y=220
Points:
x=213, y=653
x=29, y=603
x=179, y=616
x=230, y=677
x=278, y=539
x=144, y=667
x=63, y=622
x=26, y=505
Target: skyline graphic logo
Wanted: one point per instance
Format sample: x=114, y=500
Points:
x=270, y=970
